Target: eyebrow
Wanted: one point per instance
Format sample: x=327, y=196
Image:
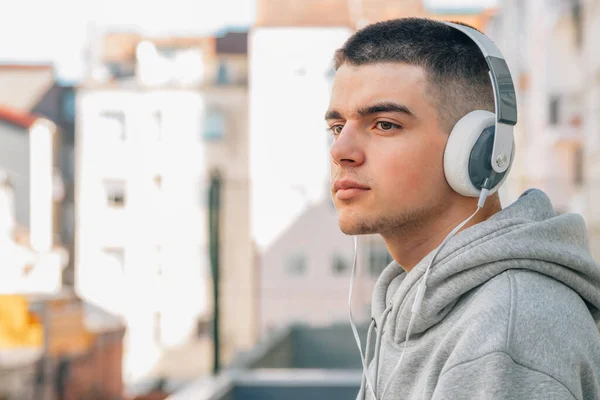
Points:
x=373, y=109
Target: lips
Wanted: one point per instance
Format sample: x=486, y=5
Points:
x=347, y=189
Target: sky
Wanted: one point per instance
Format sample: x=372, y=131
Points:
x=56, y=30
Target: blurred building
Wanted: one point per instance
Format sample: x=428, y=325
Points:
x=33, y=89
x=33, y=258
x=550, y=49
x=549, y=131
x=83, y=347
x=292, y=45
x=293, y=363
x=155, y=117
x=305, y=273
x=44, y=329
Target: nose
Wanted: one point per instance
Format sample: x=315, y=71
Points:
x=346, y=150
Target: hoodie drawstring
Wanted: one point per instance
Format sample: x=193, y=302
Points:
x=378, y=343
x=364, y=373
x=377, y=350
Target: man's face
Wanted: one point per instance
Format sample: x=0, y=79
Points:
x=387, y=155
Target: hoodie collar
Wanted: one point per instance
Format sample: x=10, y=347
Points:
x=526, y=235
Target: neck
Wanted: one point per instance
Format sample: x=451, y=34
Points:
x=409, y=246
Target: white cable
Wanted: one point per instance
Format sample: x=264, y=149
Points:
x=423, y=285
x=353, y=325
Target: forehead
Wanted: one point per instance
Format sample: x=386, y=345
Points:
x=357, y=86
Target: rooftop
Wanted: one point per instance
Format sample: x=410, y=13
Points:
x=232, y=43
x=15, y=117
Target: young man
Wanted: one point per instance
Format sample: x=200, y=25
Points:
x=508, y=310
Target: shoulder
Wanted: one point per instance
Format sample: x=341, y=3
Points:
x=549, y=322
x=527, y=302
x=540, y=323
x=542, y=307
x=533, y=309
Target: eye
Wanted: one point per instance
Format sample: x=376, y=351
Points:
x=387, y=126
x=336, y=129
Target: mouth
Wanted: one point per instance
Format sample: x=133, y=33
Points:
x=345, y=189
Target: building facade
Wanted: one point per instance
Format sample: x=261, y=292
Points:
x=33, y=89
x=549, y=46
x=32, y=257
x=155, y=118
x=305, y=274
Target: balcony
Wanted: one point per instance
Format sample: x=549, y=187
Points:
x=295, y=363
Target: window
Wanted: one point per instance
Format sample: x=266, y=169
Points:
x=379, y=258
x=115, y=194
x=157, y=125
x=157, y=328
x=68, y=163
x=116, y=258
x=296, y=265
x=167, y=52
x=156, y=197
x=203, y=192
x=68, y=105
x=578, y=173
x=554, y=111
x=213, y=127
x=340, y=265
x=577, y=17
x=113, y=125
x=204, y=327
x=159, y=260
x=223, y=74
x=157, y=182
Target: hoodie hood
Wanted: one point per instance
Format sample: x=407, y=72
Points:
x=526, y=235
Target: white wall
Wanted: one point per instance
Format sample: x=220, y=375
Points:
x=289, y=94
x=318, y=296
x=172, y=217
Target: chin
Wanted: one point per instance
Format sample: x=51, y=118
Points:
x=356, y=226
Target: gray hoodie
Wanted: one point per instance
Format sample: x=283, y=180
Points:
x=507, y=314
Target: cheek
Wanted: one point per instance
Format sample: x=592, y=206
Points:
x=411, y=171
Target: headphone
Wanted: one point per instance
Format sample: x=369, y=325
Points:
x=480, y=149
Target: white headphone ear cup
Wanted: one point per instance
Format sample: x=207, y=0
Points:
x=458, y=151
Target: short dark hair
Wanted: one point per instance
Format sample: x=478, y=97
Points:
x=457, y=73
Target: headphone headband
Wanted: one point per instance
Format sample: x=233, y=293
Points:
x=504, y=96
